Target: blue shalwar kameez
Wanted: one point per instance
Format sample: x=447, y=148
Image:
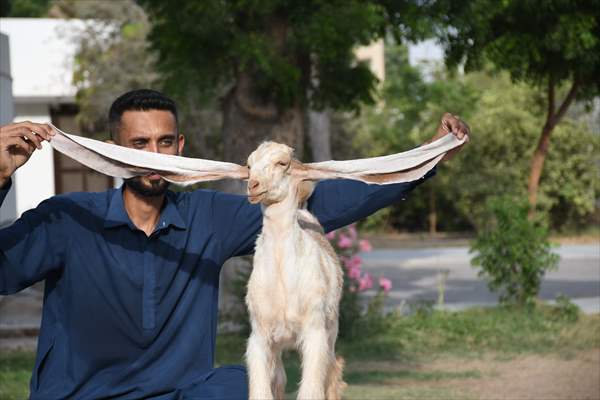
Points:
x=127, y=316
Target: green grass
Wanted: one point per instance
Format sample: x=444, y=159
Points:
x=380, y=366
x=15, y=371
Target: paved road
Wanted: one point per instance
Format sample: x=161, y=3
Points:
x=416, y=273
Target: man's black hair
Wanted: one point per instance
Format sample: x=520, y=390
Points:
x=138, y=100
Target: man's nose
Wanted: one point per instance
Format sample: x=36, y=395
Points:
x=153, y=147
x=252, y=184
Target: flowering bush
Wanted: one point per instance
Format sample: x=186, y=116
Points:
x=353, y=320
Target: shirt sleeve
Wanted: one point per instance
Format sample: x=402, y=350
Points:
x=337, y=203
x=31, y=247
x=237, y=223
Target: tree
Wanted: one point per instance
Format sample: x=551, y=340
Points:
x=553, y=45
x=504, y=117
x=271, y=60
x=24, y=8
x=406, y=117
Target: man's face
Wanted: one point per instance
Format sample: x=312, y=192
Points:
x=153, y=130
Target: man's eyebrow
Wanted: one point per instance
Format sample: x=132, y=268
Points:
x=137, y=138
x=146, y=138
x=167, y=136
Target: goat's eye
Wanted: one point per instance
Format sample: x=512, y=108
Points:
x=282, y=163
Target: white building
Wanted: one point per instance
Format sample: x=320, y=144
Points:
x=36, y=59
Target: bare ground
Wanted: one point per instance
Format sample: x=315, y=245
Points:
x=528, y=377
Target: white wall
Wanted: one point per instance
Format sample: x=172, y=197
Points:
x=41, y=52
x=35, y=179
x=375, y=55
x=8, y=211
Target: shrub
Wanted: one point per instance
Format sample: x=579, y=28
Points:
x=513, y=251
x=357, y=316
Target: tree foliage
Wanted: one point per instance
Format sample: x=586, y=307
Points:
x=111, y=57
x=24, y=8
x=532, y=40
x=550, y=44
x=290, y=48
x=505, y=118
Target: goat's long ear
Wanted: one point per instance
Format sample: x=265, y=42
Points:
x=123, y=162
x=401, y=167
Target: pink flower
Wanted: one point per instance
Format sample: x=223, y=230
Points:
x=366, y=282
x=356, y=261
x=385, y=284
x=344, y=242
x=354, y=272
x=345, y=261
x=330, y=235
x=352, y=232
x=364, y=245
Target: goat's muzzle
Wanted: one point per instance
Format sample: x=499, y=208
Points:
x=255, y=197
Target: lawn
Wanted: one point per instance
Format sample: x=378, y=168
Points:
x=427, y=355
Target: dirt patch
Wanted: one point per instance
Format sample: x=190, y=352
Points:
x=529, y=377
x=535, y=377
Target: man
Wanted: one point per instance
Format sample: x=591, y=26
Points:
x=130, y=303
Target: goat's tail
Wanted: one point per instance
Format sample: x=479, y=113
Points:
x=336, y=384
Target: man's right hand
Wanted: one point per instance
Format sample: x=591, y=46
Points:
x=17, y=142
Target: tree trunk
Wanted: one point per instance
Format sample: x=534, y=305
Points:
x=246, y=123
x=553, y=117
x=319, y=126
x=432, y=211
x=537, y=164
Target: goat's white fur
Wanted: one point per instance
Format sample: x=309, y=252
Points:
x=295, y=286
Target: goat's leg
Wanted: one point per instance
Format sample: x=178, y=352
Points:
x=259, y=359
x=316, y=362
x=335, y=384
x=279, y=378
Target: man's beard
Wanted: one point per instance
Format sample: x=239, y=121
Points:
x=147, y=188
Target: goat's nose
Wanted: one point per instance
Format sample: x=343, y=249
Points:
x=252, y=184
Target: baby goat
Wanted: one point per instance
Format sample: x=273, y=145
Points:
x=296, y=284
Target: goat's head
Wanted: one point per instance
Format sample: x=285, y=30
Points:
x=273, y=175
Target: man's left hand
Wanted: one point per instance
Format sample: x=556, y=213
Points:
x=459, y=128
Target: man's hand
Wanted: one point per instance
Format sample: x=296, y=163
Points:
x=452, y=123
x=17, y=142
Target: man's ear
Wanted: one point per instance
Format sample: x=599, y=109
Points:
x=180, y=144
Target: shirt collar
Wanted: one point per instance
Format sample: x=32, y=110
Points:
x=116, y=214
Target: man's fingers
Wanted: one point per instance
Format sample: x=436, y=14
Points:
x=20, y=144
x=21, y=128
x=43, y=130
x=34, y=138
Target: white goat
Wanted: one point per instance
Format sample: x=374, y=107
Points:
x=295, y=286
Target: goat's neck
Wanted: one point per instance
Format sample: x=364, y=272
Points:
x=281, y=218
